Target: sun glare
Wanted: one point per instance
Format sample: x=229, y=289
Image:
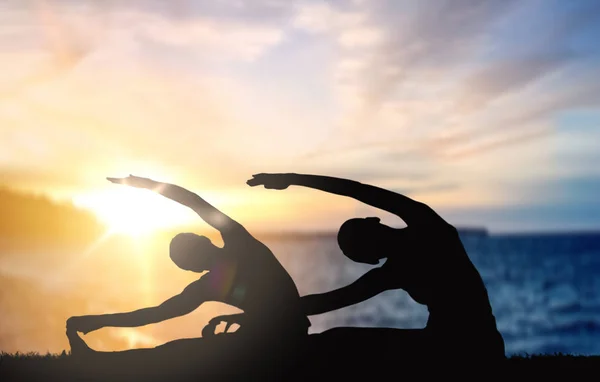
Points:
x=134, y=212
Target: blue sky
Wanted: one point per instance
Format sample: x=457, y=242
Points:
x=486, y=110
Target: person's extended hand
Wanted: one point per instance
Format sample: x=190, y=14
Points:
x=271, y=181
x=135, y=181
x=84, y=324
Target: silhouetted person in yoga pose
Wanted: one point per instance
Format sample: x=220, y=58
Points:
x=426, y=259
x=243, y=273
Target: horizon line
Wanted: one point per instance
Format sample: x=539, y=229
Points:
x=474, y=230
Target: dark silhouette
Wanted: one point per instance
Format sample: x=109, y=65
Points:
x=426, y=259
x=243, y=273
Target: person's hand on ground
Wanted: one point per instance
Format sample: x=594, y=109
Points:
x=271, y=181
x=211, y=327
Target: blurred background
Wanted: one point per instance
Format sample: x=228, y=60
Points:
x=486, y=111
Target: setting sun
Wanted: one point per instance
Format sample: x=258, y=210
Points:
x=135, y=212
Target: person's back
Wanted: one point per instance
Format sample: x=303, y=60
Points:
x=273, y=327
x=449, y=285
x=261, y=285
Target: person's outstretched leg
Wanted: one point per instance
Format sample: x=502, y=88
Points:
x=187, y=357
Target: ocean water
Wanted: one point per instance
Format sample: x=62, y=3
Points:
x=544, y=289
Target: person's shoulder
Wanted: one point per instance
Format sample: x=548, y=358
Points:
x=419, y=213
x=231, y=226
x=234, y=230
x=198, y=284
x=239, y=237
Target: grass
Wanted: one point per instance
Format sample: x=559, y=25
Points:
x=527, y=356
x=62, y=367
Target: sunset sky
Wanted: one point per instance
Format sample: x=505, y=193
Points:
x=486, y=110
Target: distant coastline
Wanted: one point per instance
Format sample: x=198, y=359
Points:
x=299, y=235
x=463, y=231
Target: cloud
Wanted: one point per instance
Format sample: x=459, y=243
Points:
x=428, y=189
x=459, y=78
x=224, y=39
x=522, y=115
x=360, y=37
x=407, y=94
x=259, y=12
x=551, y=50
x=93, y=125
x=51, y=36
x=30, y=179
x=324, y=17
x=436, y=35
x=490, y=144
x=73, y=30
x=503, y=77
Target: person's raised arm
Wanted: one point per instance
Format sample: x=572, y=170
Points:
x=205, y=210
x=406, y=208
x=187, y=301
x=369, y=285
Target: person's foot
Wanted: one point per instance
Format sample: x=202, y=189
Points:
x=78, y=346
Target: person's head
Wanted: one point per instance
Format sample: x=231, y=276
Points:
x=192, y=252
x=360, y=239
